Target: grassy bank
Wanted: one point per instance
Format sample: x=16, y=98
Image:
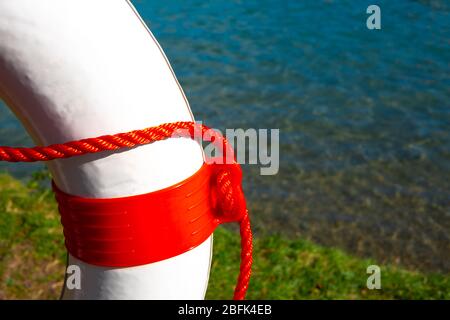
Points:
x=32, y=258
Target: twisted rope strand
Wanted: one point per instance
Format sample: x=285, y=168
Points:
x=145, y=136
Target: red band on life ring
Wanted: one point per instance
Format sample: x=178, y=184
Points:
x=119, y=232
x=142, y=229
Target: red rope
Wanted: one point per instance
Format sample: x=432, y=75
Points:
x=146, y=136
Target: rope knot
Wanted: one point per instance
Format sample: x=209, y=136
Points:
x=227, y=196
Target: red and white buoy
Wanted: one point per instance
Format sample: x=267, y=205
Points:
x=77, y=69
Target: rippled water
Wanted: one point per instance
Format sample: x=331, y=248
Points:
x=364, y=116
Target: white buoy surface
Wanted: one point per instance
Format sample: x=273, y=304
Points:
x=76, y=69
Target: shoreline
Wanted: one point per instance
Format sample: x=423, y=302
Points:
x=33, y=260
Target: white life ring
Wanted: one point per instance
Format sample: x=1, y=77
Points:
x=76, y=69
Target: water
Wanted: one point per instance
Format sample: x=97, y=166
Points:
x=364, y=115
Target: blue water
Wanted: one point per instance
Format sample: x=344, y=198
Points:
x=364, y=116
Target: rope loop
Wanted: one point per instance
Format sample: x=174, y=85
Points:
x=228, y=197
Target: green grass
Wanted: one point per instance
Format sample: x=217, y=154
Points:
x=32, y=258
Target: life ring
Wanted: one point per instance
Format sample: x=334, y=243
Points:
x=95, y=71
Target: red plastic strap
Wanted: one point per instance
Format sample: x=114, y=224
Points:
x=147, y=228
x=142, y=229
